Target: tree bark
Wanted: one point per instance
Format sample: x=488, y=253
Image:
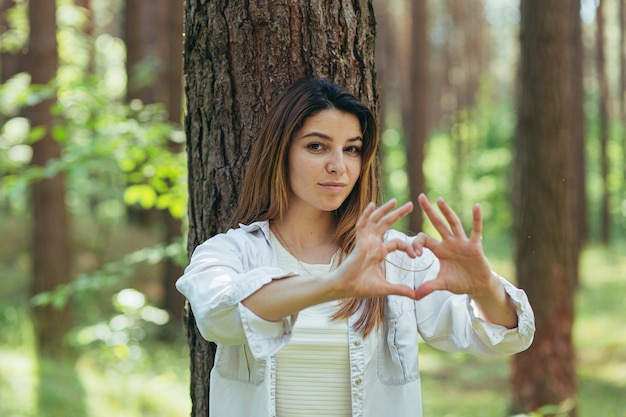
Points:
x=578, y=128
x=622, y=85
x=417, y=123
x=603, y=118
x=51, y=253
x=173, y=301
x=387, y=57
x=546, y=257
x=238, y=56
x=135, y=47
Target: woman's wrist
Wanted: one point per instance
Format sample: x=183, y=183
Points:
x=495, y=304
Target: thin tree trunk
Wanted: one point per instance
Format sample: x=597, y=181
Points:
x=386, y=60
x=622, y=85
x=146, y=50
x=578, y=128
x=238, y=56
x=51, y=258
x=546, y=257
x=135, y=47
x=173, y=301
x=603, y=118
x=452, y=76
x=417, y=123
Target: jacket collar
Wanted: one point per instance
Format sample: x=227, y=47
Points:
x=263, y=226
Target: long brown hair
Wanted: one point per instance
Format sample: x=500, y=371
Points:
x=264, y=193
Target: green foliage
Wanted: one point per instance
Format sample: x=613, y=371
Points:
x=111, y=151
x=112, y=274
x=114, y=154
x=124, y=333
x=14, y=38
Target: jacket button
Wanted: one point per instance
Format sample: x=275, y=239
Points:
x=357, y=343
x=358, y=381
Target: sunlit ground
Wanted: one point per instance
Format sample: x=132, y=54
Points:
x=154, y=381
x=92, y=388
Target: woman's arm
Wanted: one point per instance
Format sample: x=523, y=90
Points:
x=360, y=275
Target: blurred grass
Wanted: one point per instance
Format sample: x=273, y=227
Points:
x=154, y=380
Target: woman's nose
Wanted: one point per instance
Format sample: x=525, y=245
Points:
x=336, y=163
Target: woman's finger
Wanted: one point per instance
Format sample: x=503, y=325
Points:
x=422, y=240
x=381, y=211
x=391, y=218
x=399, y=289
x=428, y=287
x=367, y=212
x=477, y=224
x=434, y=217
x=453, y=219
x=398, y=244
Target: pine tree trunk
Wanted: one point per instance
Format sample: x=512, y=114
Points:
x=238, y=56
x=622, y=85
x=578, y=128
x=417, y=123
x=51, y=259
x=135, y=47
x=603, y=117
x=546, y=257
x=173, y=301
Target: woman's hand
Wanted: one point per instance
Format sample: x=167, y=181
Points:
x=464, y=269
x=361, y=275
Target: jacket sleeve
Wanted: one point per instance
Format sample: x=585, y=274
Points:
x=449, y=321
x=219, y=276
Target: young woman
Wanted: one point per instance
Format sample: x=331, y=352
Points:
x=315, y=304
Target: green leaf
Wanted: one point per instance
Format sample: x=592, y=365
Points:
x=36, y=133
x=141, y=194
x=59, y=133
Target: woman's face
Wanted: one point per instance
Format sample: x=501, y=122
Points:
x=324, y=161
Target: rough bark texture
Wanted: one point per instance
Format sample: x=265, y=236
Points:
x=51, y=259
x=546, y=256
x=238, y=55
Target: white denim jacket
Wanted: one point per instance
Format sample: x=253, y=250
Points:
x=384, y=366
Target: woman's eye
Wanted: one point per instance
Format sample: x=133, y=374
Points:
x=315, y=146
x=353, y=149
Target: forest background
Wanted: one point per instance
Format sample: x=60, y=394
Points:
x=122, y=349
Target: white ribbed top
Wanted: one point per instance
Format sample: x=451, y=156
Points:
x=313, y=370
